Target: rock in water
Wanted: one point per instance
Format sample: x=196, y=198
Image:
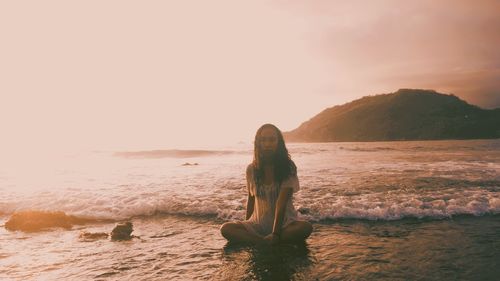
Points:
x=122, y=231
x=90, y=236
x=30, y=221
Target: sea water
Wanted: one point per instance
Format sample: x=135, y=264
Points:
x=393, y=210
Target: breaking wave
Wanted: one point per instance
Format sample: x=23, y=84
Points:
x=173, y=153
x=373, y=206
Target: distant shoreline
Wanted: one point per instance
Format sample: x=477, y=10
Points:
x=340, y=141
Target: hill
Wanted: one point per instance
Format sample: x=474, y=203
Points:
x=408, y=114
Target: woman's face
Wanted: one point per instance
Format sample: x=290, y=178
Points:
x=268, y=140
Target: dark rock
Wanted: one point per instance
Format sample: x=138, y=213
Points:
x=122, y=231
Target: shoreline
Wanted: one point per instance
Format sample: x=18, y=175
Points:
x=86, y=221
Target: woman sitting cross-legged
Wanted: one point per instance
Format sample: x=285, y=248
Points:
x=271, y=181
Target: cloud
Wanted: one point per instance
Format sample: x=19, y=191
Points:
x=380, y=46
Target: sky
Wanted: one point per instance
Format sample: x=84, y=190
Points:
x=172, y=74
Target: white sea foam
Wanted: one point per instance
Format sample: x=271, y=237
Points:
x=375, y=206
x=405, y=206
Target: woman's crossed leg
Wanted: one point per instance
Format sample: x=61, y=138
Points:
x=294, y=232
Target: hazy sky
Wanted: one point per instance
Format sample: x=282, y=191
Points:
x=157, y=74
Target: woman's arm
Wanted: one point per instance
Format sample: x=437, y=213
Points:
x=283, y=197
x=251, y=198
x=250, y=204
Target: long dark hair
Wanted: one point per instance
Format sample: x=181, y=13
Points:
x=283, y=164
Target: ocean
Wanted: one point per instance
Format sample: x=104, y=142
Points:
x=406, y=210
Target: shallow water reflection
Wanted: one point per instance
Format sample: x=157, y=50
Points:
x=280, y=262
x=412, y=249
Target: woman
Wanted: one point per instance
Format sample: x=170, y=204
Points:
x=271, y=181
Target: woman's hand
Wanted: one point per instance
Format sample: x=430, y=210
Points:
x=272, y=239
